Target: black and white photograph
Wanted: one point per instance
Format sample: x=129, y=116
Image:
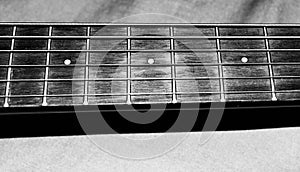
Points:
x=149, y=85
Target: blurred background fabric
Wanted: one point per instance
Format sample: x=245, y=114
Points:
x=197, y=11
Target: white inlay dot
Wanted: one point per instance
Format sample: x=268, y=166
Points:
x=244, y=59
x=67, y=62
x=151, y=61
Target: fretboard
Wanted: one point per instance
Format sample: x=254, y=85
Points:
x=55, y=64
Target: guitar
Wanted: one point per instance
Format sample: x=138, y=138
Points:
x=50, y=68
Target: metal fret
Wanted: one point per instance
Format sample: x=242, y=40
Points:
x=173, y=72
x=128, y=68
x=6, y=104
x=220, y=67
x=274, y=98
x=47, y=69
x=87, y=58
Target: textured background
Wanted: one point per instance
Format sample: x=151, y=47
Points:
x=263, y=150
x=211, y=11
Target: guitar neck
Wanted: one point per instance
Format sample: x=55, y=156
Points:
x=62, y=64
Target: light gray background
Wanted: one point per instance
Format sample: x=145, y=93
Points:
x=262, y=150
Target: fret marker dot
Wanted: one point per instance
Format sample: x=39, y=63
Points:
x=151, y=61
x=244, y=59
x=67, y=62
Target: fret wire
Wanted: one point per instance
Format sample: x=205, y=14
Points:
x=47, y=69
x=87, y=58
x=128, y=68
x=6, y=104
x=173, y=72
x=274, y=98
x=220, y=67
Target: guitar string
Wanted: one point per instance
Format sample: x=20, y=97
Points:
x=147, y=24
x=151, y=51
x=153, y=37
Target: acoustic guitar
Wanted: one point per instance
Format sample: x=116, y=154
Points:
x=49, y=70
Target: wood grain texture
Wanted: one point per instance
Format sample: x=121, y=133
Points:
x=241, y=31
x=211, y=86
x=285, y=84
x=6, y=31
x=195, y=44
x=2, y=92
x=29, y=59
x=278, y=57
x=149, y=71
x=4, y=59
x=32, y=44
x=32, y=31
x=26, y=88
x=280, y=31
x=105, y=72
x=69, y=31
x=232, y=72
x=5, y=44
x=194, y=31
x=150, y=31
x=242, y=44
x=253, y=57
x=144, y=44
x=195, y=57
x=284, y=43
x=108, y=44
x=109, y=31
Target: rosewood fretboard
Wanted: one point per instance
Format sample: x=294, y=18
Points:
x=147, y=63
